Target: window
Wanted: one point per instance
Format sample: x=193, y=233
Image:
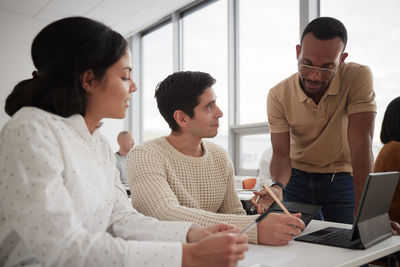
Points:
x=373, y=40
x=251, y=149
x=205, y=48
x=157, y=64
x=268, y=34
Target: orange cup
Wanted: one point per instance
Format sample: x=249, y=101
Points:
x=249, y=183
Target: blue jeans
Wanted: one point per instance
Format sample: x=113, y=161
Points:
x=335, y=196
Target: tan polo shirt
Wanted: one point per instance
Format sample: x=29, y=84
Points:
x=318, y=133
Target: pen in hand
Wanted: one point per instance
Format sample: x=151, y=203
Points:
x=253, y=208
x=258, y=198
x=276, y=199
x=259, y=219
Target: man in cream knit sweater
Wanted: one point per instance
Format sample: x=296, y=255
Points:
x=182, y=177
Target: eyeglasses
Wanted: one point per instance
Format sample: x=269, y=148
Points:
x=306, y=70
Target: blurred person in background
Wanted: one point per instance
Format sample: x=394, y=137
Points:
x=125, y=142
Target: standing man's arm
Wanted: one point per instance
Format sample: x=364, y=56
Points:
x=280, y=169
x=280, y=166
x=360, y=132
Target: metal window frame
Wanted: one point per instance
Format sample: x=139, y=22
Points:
x=134, y=120
x=233, y=77
x=136, y=40
x=309, y=10
x=238, y=132
x=135, y=112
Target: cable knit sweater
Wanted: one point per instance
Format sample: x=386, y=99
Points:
x=171, y=186
x=389, y=160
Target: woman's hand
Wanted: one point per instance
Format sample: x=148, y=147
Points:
x=220, y=250
x=195, y=235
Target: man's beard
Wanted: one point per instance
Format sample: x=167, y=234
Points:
x=314, y=90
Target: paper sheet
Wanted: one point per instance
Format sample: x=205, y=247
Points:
x=259, y=256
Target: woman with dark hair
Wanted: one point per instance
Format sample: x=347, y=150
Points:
x=62, y=202
x=388, y=158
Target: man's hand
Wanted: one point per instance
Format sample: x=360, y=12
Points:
x=220, y=249
x=197, y=234
x=278, y=229
x=395, y=228
x=266, y=200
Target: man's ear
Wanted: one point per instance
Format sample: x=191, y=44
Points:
x=181, y=118
x=87, y=80
x=343, y=57
x=298, y=51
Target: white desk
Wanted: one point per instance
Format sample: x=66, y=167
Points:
x=307, y=254
x=244, y=194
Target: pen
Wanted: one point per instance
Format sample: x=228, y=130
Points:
x=253, y=208
x=259, y=219
x=276, y=199
x=257, y=199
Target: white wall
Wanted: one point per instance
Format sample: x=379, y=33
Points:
x=17, y=33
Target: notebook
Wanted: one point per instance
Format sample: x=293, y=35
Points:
x=308, y=211
x=371, y=224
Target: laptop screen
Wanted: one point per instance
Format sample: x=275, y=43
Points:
x=376, y=197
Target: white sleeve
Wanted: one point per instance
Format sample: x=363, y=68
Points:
x=37, y=207
x=128, y=223
x=264, y=173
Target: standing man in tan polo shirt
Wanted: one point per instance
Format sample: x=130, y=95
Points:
x=322, y=122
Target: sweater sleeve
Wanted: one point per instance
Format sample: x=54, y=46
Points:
x=231, y=203
x=152, y=195
x=127, y=223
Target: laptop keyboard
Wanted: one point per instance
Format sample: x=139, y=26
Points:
x=339, y=236
x=331, y=236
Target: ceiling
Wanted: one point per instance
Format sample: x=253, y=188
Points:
x=124, y=16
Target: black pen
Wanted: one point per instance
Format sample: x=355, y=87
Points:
x=259, y=219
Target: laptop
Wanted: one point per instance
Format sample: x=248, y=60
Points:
x=308, y=211
x=371, y=224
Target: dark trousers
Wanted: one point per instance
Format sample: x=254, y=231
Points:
x=334, y=193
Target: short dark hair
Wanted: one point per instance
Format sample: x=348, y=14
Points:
x=61, y=53
x=325, y=28
x=391, y=122
x=181, y=91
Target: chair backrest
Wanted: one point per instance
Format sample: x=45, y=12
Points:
x=249, y=183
